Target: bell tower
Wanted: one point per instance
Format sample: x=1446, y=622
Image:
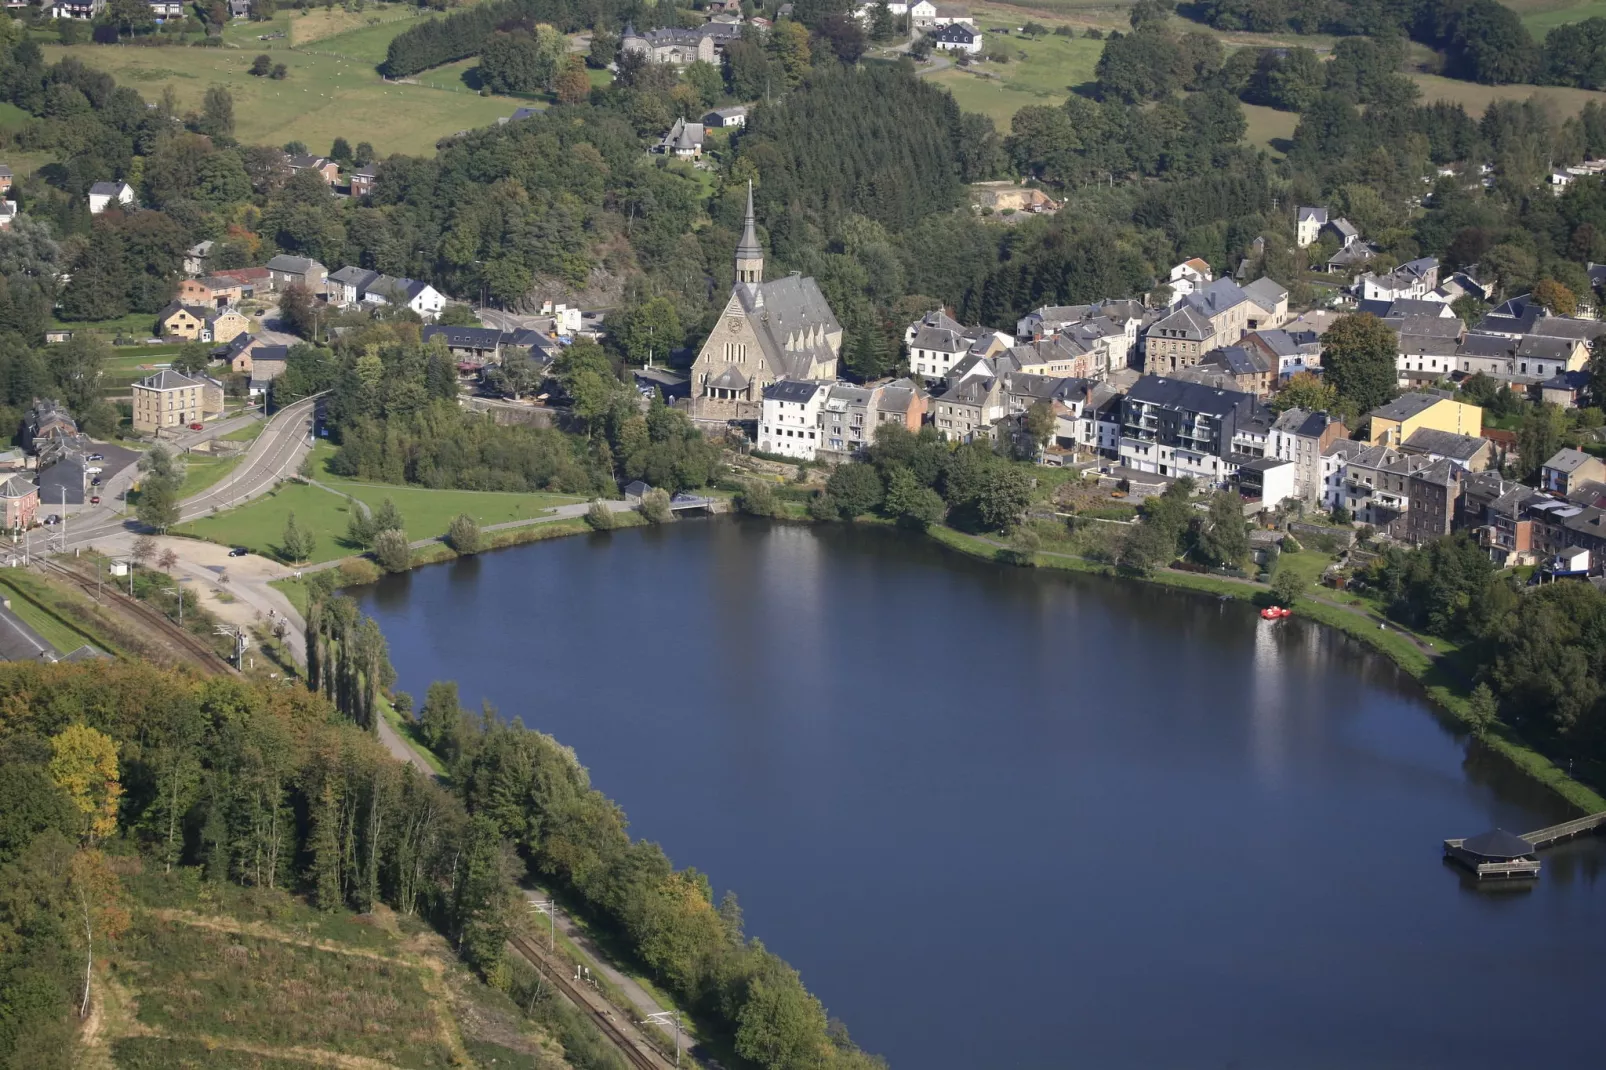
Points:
x=749, y=254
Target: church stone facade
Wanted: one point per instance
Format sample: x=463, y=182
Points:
x=769, y=331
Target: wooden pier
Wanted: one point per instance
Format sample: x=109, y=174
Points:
x=1499, y=855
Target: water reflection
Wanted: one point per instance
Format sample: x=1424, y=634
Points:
x=1194, y=838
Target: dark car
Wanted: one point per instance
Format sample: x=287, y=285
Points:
x=52, y=519
x=238, y=551
x=97, y=457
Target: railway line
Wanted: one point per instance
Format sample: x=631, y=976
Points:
x=194, y=649
x=635, y=1052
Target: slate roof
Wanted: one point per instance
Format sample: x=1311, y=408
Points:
x=1441, y=472
x=1317, y=214
x=1266, y=293
x=1567, y=460
x=1444, y=444
x=353, y=276
x=463, y=337
x=1175, y=393
x=292, y=265
x=801, y=391
x=106, y=189
x=792, y=308
x=1406, y=406
x=17, y=487
x=168, y=379
x=956, y=33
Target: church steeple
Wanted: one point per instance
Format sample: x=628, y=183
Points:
x=749, y=254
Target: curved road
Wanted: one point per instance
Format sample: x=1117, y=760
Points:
x=275, y=454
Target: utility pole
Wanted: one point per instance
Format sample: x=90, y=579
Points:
x=665, y=1019
x=550, y=909
x=178, y=592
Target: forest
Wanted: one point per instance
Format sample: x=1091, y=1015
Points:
x=274, y=787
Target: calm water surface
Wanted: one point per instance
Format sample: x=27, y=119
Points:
x=1008, y=819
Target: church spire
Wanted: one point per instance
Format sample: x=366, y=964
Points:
x=749, y=254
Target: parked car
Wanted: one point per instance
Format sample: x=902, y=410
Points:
x=95, y=482
x=196, y=427
x=52, y=519
x=94, y=499
x=94, y=469
x=97, y=457
x=238, y=551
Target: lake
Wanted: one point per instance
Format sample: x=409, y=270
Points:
x=1012, y=818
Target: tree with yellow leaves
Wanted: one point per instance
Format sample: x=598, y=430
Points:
x=85, y=767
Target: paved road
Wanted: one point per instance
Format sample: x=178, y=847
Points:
x=274, y=455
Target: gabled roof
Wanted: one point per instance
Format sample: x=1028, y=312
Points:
x=1194, y=397
x=1318, y=215
x=200, y=312
x=463, y=337
x=168, y=379
x=293, y=265
x=800, y=391
x=353, y=276
x=1266, y=292
x=17, y=487
x=956, y=33
x=1406, y=406
x=108, y=189
x=1568, y=460
x=1444, y=444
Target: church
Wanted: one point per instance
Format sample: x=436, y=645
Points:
x=781, y=329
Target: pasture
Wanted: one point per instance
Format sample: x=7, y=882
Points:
x=1542, y=16
x=323, y=98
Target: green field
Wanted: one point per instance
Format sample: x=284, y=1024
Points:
x=368, y=44
x=202, y=470
x=260, y=525
x=1475, y=98
x=324, y=97
x=1542, y=16
x=1268, y=124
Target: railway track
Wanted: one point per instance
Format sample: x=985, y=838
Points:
x=193, y=647
x=617, y=1036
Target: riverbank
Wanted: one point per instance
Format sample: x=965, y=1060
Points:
x=1409, y=651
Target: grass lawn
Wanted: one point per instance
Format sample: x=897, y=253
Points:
x=362, y=42
x=202, y=471
x=1050, y=67
x=1475, y=98
x=324, y=97
x=1542, y=16
x=248, y=433
x=319, y=25
x=135, y=324
x=22, y=590
x=1267, y=125
x=260, y=524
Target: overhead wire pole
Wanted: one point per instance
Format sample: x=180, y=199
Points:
x=666, y=1019
x=550, y=909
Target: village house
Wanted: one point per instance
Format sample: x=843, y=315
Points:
x=214, y=290
x=104, y=195
x=789, y=424
x=286, y=270
x=680, y=47
x=5, y=179
x=170, y=400
x=1567, y=389
x=19, y=503
x=251, y=279
x=1244, y=368
x=1431, y=507
x=1568, y=468
x=197, y=256
x=922, y=15
x=957, y=37
x=8, y=213
x=482, y=345
x=201, y=323
x=684, y=141
x=969, y=409
x=1300, y=436
x=937, y=342
x=1470, y=453
x=727, y=118
x=1308, y=224
x=1373, y=483
x=1188, y=276
x=768, y=331
x=1398, y=420
x=364, y=179
x=1176, y=428
x=1415, y=279
x=1214, y=316
x=323, y=167
x=1270, y=305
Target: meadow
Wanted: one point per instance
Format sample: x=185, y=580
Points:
x=1542, y=16
x=1475, y=98
x=323, y=98
x=427, y=513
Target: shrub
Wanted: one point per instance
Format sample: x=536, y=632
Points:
x=464, y=535
x=357, y=571
x=391, y=550
x=654, y=507
x=600, y=517
x=1291, y=545
x=757, y=499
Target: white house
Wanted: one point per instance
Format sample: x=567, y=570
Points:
x=789, y=422
x=1188, y=276
x=1308, y=225
x=922, y=15
x=958, y=37
x=102, y=195
x=1414, y=280
x=421, y=297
